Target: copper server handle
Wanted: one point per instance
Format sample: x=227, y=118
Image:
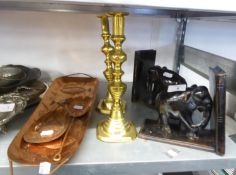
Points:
x=57, y=156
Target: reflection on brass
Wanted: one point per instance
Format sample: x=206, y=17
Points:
x=116, y=128
x=60, y=120
x=105, y=104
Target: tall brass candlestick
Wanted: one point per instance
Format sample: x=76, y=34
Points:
x=116, y=128
x=105, y=104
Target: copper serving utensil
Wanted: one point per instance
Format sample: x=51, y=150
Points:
x=54, y=124
x=76, y=107
x=57, y=156
x=48, y=128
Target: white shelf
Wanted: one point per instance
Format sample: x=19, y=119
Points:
x=143, y=7
x=200, y=5
x=137, y=157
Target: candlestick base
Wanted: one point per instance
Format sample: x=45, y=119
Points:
x=116, y=130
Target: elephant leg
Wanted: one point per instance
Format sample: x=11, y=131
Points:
x=192, y=131
x=166, y=126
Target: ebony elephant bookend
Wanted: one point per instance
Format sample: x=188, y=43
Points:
x=178, y=123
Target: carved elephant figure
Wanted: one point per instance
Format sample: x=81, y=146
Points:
x=158, y=80
x=181, y=105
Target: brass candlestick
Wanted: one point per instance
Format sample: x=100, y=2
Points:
x=105, y=104
x=116, y=128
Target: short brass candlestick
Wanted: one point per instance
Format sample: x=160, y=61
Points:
x=105, y=104
x=116, y=128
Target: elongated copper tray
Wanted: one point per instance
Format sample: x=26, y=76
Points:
x=75, y=96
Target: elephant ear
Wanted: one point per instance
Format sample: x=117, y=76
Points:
x=193, y=87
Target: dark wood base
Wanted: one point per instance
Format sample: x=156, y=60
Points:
x=152, y=130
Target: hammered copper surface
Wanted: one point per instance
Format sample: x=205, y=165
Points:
x=48, y=128
x=57, y=96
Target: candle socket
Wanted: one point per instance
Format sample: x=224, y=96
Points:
x=116, y=128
